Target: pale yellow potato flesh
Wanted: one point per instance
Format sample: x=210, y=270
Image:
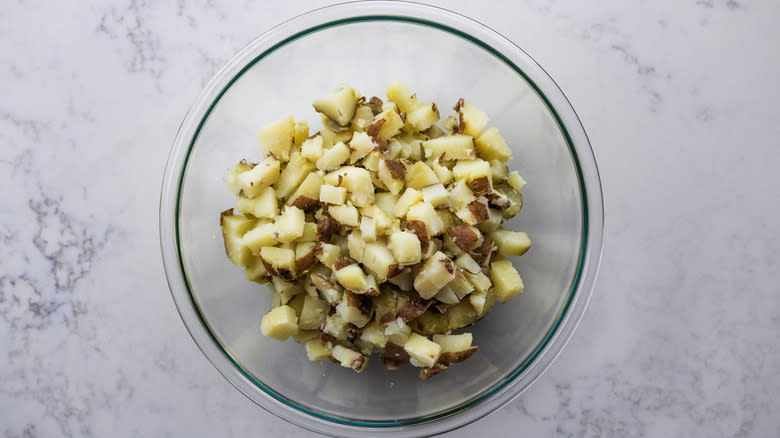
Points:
x=382, y=232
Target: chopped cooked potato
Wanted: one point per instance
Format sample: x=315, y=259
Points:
x=263, y=206
x=506, y=279
x=409, y=198
x=316, y=350
x=333, y=195
x=234, y=227
x=450, y=147
x=292, y=175
x=491, y=146
x=253, y=181
x=280, y=323
x=289, y=225
x=277, y=138
x=339, y=105
x=335, y=156
x=422, y=351
x=383, y=228
x=437, y=271
x=511, y=243
x=405, y=247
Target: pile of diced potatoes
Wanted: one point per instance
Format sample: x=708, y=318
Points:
x=380, y=233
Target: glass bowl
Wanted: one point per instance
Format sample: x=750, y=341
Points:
x=442, y=56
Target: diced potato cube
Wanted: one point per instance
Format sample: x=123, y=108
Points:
x=480, y=281
x=447, y=296
x=277, y=138
x=422, y=117
x=232, y=176
x=255, y=271
x=434, y=132
x=300, y=133
x=371, y=161
x=516, y=181
x=309, y=232
x=309, y=188
x=495, y=218
x=356, y=246
x=461, y=286
x=491, y=146
x=289, y=225
x=436, y=195
x=478, y=300
x=363, y=116
x=360, y=145
x=281, y=259
x=328, y=290
x=349, y=358
x=425, y=212
x=333, y=195
x=451, y=122
x=443, y=173
x=453, y=343
x=397, y=331
x=358, y=182
x=280, y=323
x=339, y=105
x=328, y=254
x=381, y=219
x=460, y=195
x=345, y=214
x=368, y=229
x=335, y=326
x=506, y=280
x=378, y=259
x=511, y=243
x=352, y=277
x=472, y=117
x=398, y=93
x=334, y=157
x=408, y=199
x=437, y=271
x=471, y=170
x=264, y=206
x=386, y=201
x=313, y=313
x=292, y=175
x=355, y=309
x=392, y=174
x=468, y=264
x=305, y=256
x=450, y=147
x=316, y=350
x=234, y=227
x=259, y=236
x=455, y=348
x=386, y=125
x=420, y=175
x=265, y=173
x=330, y=138
x=422, y=351
x=499, y=170
x=311, y=149
x=405, y=247
x=374, y=335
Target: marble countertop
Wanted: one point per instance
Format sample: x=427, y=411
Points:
x=679, y=98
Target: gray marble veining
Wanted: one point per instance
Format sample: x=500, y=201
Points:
x=679, y=100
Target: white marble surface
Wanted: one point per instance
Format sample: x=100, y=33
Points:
x=679, y=98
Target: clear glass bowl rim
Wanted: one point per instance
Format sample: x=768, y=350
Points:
x=582, y=156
